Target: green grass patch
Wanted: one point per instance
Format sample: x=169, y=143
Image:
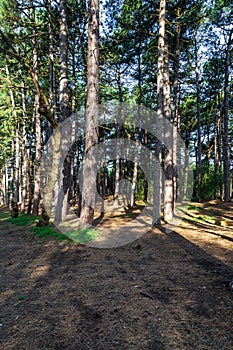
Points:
x=84, y=235
x=4, y=215
x=47, y=232
x=206, y=218
x=193, y=207
x=125, y=216
x=23, y=220
x=140, y=203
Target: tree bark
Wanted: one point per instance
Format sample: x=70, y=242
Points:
x=36, y=198
x=15, y=147
x=176, y=111
x=24, y=150
x=225, y=137
x=65, y=184
x=91, y=134
x=118, y=159
x=199, y=146
x=164, y=115
x=52, y=82
x=217, y=150
x=135, y=169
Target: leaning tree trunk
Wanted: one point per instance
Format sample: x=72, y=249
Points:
x=91, y=134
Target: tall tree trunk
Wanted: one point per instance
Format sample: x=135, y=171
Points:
x=6, y=185
x=186, y=167
x=91, y=134
x=64, y=96
x=17, y=194
x=164, y=114
x=15, y=146
x=217, y=150
x=135, y=169
x=36, y=198
x=226, y=148
x=199, y=146
x=52, y=82
x=157, y=177
x=25, y=179
x=64, y=186
x=118, y=159
x=176, y=110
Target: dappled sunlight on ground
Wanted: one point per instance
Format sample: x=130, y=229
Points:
x=167, y=290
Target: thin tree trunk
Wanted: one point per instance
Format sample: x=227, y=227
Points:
x=64, y=96
x=186, y=167
x=36, y=198
x=199, y=146
x=24, y=150
x=64, y=186
x=217, y=150
x=17, y=194
x=118, y=160
x=15, y=147
x=176, y=111
x=52, y=82
x=90, y=163
x=3, y=185
x=164, y=114
x=6, y=186
x=135, y=170
x=226, y=148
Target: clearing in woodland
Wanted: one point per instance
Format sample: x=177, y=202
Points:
x=163, y=291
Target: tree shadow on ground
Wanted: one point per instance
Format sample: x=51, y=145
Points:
x=209, y=262
x=159, y=292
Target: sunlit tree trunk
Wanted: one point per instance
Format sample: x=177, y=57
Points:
x=118, y=159
x=135, y=169
x=24, y=150
x=164, y=115
x=52, y=80
x=64, y=185
x=91, y=132
x=37, y=120
x=217, y=150
x=176, y=110
x=6, y=186
x=225, y=137
x=15, y=178
x=199, y=146
x=186, y=167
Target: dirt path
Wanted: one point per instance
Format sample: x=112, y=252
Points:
x=163, y=291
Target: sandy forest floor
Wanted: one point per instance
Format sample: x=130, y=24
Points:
x=163, y=291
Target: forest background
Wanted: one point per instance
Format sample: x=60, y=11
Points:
x=174, y=58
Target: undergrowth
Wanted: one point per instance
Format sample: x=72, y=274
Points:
x=47, y=232
x=41, y=232
x=84, y=235
x=4, y=215
x=23, y=220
